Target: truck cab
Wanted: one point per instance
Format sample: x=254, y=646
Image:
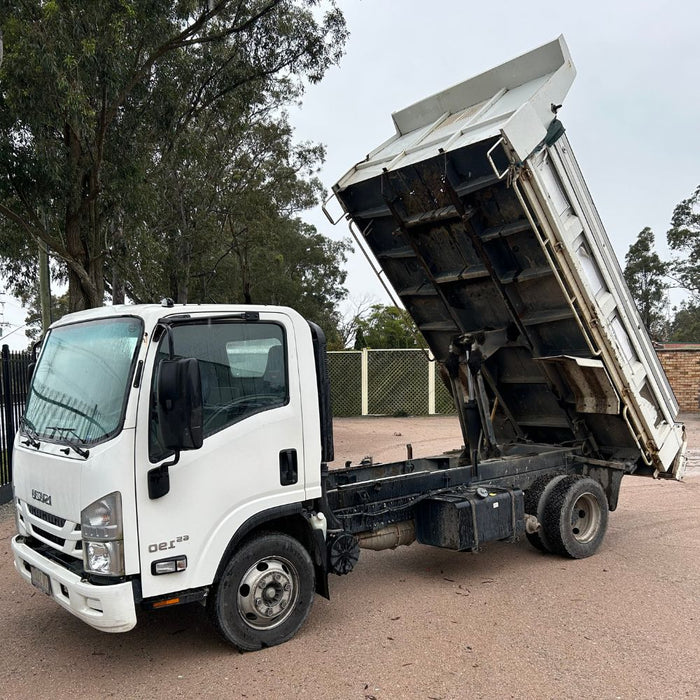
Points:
x=114, y=509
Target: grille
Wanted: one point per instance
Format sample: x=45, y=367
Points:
x=66, y=536
x=48, y=536
x=48, y=517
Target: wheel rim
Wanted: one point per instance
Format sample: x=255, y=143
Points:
x=268, y=592
x=585, y=518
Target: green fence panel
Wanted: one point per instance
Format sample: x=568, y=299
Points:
x=345, y=372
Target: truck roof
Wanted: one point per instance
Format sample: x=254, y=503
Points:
x=152, y=312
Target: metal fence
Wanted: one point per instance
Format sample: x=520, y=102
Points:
x=13, y=394
x=386, y=382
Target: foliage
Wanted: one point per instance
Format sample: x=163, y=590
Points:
x=59, y=308
x=387, y=327
x=644, y=273
x=684, y=239
x=685, y=327
x=110, y=112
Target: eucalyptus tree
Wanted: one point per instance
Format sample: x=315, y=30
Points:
x=645, y=274
x=684, y=240
x=221, y=222
x=92, y=91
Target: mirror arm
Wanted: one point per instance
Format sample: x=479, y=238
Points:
x=167, y=328
x=171, y=343
x=159, y=478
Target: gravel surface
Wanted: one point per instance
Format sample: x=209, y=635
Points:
x=417, y=622
x=5, y=511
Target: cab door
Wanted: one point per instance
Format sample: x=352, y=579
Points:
x=253, y=452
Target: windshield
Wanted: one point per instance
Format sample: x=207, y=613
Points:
x=80, y=384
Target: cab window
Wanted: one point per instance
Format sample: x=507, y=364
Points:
x=243, y=368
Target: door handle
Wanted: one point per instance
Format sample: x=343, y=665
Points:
x=289, y=471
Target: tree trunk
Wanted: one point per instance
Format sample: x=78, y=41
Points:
x=85, y=262
x=118, y=285
x=118, y=288
x=183, y=282
x=44, y=288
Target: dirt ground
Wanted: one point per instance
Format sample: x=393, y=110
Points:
x=416, y=622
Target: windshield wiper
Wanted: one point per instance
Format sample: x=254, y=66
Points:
x=71, y=443
x=30, y=431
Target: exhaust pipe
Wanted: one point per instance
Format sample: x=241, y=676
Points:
x=389, y=537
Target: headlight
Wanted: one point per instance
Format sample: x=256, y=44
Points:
x=104, y=558
x=102, y=533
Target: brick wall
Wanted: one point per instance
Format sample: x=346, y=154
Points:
x=682, y=367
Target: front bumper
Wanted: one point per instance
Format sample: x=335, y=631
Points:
x=108, y=608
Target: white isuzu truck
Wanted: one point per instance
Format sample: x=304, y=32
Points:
x=172, y=454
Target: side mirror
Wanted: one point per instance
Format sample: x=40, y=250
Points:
x=179, y=404
x=33, y=357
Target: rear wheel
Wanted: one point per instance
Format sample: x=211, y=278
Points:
x=575, y=517
x=265, y=592
x=535, y=499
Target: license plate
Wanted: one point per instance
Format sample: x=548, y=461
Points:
x=41, y=581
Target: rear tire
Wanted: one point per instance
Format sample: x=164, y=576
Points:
x=575, y=517
x=535, y=500
x=265, y=592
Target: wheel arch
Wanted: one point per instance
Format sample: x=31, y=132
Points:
x=288, y=519
x=609, y=479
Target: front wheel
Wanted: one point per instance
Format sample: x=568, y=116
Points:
x=265, y=592
x=575, y=517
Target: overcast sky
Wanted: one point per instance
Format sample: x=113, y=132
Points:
x=632, y=115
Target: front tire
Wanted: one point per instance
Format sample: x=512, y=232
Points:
x=265, y=592
x=575, y=517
